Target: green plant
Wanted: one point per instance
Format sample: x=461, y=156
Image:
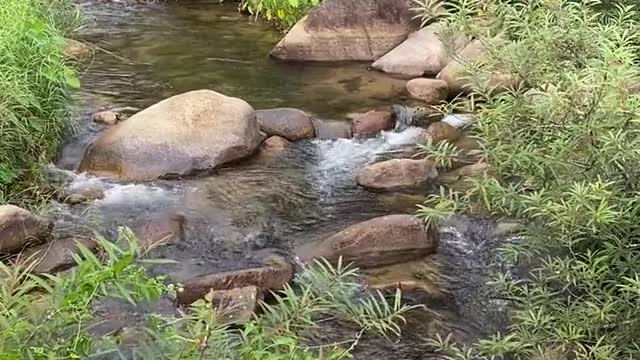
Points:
x=33, y=92
x=443, y=154
x=283, y=13
x=564, y=145
x=50, y=318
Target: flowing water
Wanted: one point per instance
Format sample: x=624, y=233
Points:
x=152, y=51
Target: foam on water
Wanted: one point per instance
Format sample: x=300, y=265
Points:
x=134, y=195
x=338, y=160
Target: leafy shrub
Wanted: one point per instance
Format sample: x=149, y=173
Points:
x=50, y=318
x=564, y=145
x=283, y=13
x=33, y=91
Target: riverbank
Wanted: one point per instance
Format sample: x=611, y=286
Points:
x=36, y=78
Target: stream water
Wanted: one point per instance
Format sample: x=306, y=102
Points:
x=153, y=51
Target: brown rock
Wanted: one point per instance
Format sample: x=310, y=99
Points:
x=265, y=278
x=55, y=256
x=458, y=179
x=430, y=91
x=440, y=131
x=76, y=50
x=397, y=174
x=339, y=30
x=423, y=53
x=236, y=306
x=190, y=132
x=291, y=124
x=371, y=123
x=106, y=117
x=272, y=148
x=377, y=242
x=19, y=228
x=456, y=76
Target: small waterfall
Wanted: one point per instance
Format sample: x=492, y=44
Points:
x=405, y=117
x=338, y=160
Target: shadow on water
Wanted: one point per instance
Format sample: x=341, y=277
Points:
x=150, y=52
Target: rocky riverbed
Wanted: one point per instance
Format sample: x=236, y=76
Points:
x=240, y=167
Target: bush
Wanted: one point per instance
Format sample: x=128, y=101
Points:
x=33, y=92
x=565, y=148
x=50, y=318
x=282, y=13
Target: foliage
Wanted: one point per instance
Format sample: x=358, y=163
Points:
x=50, y=318
x=47, y=318
x=564, y=145
x=283, y=13
x=33, y=91
x=443, y=154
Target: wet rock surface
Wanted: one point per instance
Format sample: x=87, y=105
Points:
x=380, y=241
x=291, y=124
x=57, y=255
x=372, y=123
x=266, y=278
x=397, y=174
x=19, y=228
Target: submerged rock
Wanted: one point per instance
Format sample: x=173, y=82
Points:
x=423, y=53
x=19, y=228
x=397, y=174
x=106, y=117
x=190, y=132
x=265, y=278
x=372, y=123
x=380, y=241
x=430, y=91
x=57, y=255
x=291, y=124
x=339, y=30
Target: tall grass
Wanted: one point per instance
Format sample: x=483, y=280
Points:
x=34, y=79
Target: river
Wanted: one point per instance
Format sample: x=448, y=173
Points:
x=148, y=52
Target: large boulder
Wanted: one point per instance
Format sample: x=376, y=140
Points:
x=430, y=91
x=19, y=228
x=291, y=124
x=377, y=242
x=458, y=78
x=423, y=53
x=397, y=174
x=372, y=123
x=342, y=30
x=266, y=278
x=190, y=132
